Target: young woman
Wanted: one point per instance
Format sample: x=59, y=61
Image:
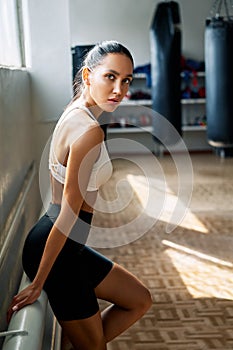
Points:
x=55, y=256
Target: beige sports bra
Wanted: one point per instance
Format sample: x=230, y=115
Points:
x=102, y=168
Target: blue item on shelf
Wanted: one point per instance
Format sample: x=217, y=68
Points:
x=146, y=69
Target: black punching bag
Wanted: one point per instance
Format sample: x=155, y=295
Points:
x=165, y=40
x=78, y=55
x=219, y=83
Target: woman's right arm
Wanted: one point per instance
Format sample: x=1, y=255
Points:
x=82, y=156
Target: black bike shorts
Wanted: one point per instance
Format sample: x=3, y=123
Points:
x=77, y=271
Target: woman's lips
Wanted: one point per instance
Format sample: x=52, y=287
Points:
x=113, y=100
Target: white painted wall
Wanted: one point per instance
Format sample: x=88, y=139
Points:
x=48, y=55
x=49, y=62
x=128, y=21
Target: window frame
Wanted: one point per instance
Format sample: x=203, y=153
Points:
x=12, y=51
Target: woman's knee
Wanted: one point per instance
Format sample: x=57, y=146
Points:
x=125, y=290
x=145, y=301
x=141, y=301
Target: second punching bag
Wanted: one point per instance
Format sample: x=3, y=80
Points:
x=219, y=82
x=165, y=39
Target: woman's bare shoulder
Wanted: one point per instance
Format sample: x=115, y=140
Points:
x=80, y=126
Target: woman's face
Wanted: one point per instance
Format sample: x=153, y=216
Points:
x=109, y=82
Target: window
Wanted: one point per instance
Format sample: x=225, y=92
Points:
x=10, y=34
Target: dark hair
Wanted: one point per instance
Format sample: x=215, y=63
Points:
x=95, y=56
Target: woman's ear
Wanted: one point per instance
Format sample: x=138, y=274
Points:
x=85, y=75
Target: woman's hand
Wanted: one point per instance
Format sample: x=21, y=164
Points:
x=27, y=296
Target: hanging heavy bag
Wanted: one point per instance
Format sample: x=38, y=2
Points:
x=219, y=79
x=78, y=55
x=165, y=40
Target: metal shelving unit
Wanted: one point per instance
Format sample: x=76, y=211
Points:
x=129, y=109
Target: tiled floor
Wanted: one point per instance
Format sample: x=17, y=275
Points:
x=188, y=271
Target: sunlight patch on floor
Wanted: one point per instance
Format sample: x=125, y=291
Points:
x=200, y=276
x=160, y=202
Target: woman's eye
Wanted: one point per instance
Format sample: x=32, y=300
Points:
x=127, y=81
x=111, y=76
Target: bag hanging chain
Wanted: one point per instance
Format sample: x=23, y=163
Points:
x=217, y=6
x=214, y=12
x=227, y=10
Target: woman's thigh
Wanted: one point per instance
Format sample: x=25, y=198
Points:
x=123, y=288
